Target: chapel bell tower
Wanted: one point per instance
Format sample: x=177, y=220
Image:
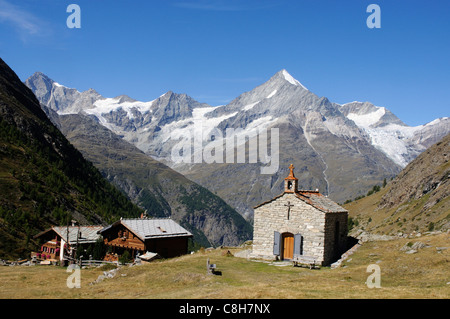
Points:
x=291, y=182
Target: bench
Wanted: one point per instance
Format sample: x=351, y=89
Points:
x=306, y=260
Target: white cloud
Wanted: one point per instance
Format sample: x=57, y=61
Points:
x=25, y=22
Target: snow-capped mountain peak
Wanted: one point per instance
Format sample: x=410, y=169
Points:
x=388, y=133
x=149, y=124
x=291, y=79
x=367, y=119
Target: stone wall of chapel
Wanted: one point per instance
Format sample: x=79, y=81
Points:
x=334, y=249
x=303, y=219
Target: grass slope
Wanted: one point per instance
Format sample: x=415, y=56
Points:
x=416, y=201
x=410, y=217
x=420, y=275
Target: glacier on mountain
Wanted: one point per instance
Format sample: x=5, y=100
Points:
x=393, y=138
x=366, y=120
x=149, y=125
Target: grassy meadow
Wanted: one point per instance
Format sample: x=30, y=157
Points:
x=425, y=274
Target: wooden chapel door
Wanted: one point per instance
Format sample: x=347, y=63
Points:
x=288, y=246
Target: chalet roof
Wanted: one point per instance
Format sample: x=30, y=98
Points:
x=147, y=228
x=315, y=199
x=85, y=234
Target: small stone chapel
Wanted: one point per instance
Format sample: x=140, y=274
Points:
x=298, y=225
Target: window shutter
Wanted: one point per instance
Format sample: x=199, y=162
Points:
x=277, y=243
x=298, y=245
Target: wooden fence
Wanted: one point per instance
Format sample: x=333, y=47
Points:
x=81, y=263
x=97, y=262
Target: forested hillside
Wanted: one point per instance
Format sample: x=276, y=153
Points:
x=44, y=180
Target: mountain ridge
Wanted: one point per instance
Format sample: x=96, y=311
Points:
x=44, y=180
x=155, y=187
x=272, y=87
x=320, y=128
x=402, y=143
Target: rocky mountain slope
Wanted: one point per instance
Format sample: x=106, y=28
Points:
x=427, y=175
x=161, y=191
x=399, y=142
x=149, y=183
x=44, y=180
x=417, y=200
x=342, y=150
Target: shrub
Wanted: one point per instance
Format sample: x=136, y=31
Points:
x=125, y=258
x=99, y=249
x=351, y=223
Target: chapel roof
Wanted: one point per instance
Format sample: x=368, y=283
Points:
x=313, y=198
x=319, y=201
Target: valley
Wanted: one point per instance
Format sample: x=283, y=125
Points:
x=334, y=148
x=342, y=150
x=199, y=154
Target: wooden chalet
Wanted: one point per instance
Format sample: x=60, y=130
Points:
x=55, y=241
x=141, y=235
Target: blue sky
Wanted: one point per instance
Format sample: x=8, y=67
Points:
x=214, y=50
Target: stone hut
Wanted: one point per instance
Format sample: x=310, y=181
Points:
x=299, y=224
